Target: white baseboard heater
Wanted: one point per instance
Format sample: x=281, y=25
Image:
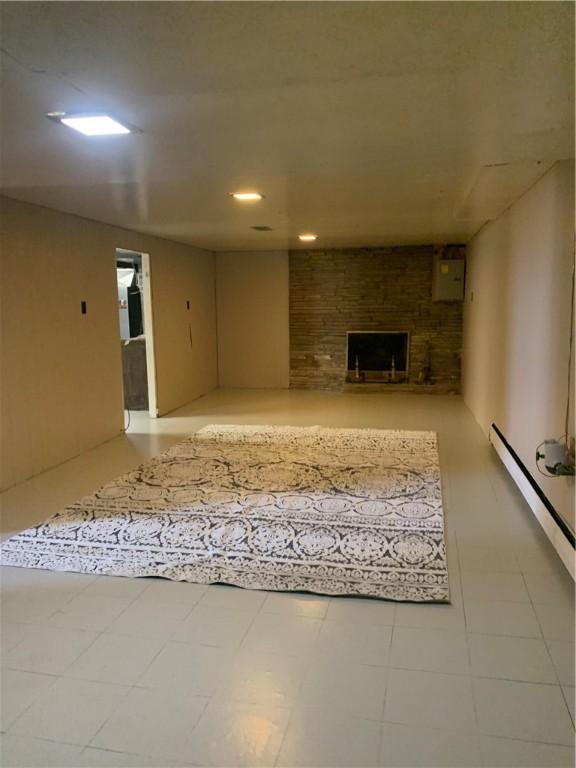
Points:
x=555, y=527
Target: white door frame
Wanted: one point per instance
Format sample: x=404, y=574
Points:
x=148, y=328
x=149, y=334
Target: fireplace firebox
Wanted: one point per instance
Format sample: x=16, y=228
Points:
x=377, y=355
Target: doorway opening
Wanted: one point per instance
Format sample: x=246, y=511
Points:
x=136, y=336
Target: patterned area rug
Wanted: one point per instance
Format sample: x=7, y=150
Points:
x=330, y=511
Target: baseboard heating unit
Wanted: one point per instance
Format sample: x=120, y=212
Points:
x=555, y=527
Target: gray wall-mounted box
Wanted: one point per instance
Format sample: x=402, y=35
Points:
x=448, y=282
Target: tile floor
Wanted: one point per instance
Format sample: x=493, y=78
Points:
x=101, y=671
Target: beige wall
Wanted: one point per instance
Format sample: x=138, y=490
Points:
x=516, y=328
x=185, y=341
x=61, y=384
x=252, y=299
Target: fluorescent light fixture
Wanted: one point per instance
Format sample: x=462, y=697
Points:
x=247, y=197
x=91, y=125
x=307, y=237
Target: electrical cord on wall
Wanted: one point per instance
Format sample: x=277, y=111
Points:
x=126, y=426
x=567, y=421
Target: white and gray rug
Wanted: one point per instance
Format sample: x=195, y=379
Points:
x=330, y=511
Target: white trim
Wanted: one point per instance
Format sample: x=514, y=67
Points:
x=551, y=528
x=149, y=334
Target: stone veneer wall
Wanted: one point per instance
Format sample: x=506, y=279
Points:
x=370, y=289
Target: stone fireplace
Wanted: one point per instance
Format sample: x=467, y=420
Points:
x=374, y=303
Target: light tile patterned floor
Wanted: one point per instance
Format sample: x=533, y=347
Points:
x=114, y=672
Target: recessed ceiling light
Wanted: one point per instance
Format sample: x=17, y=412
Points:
x=247, y=197
x=91, y=125
x=307, y=237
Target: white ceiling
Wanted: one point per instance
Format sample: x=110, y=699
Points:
x=370, y=123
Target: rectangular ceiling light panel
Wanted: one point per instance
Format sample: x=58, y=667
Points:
x=95, y=125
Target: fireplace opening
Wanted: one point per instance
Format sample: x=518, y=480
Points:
x=377, y=356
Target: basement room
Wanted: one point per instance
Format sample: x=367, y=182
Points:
x=287, y=384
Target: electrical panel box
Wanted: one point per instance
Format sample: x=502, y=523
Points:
x=448, y=280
